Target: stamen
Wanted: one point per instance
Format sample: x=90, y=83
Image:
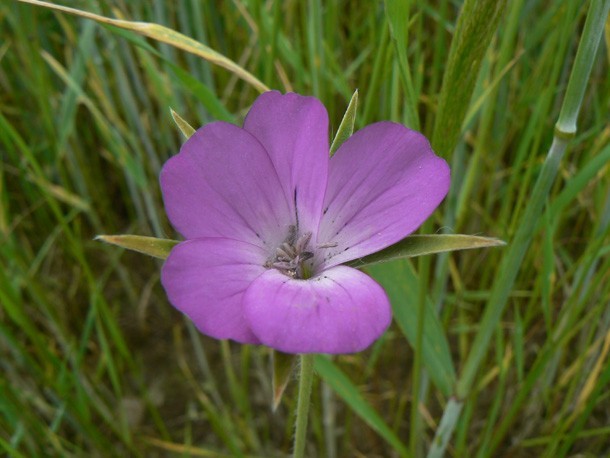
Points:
x=303, y=242
x=289, y=249
x=284, y=265
x=291, y=255
x=281, y=253
x=328, y=245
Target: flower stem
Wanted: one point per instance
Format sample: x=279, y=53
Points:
x=305, y=382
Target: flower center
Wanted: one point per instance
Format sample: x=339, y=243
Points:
x=291, y=256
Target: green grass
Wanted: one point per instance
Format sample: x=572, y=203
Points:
x=94, y=360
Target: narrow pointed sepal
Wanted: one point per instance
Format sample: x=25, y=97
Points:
x=186, y=129
x=152, y=246
x=283, y=367
x=346, y=128
x=421, y=245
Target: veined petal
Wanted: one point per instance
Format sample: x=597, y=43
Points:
x=383, y=183
x=206, y=279
x=342, y=310
x=294, y=131
x=223, y=184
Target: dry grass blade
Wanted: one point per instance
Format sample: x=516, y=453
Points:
x=164, y=35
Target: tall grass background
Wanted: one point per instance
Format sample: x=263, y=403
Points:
x=95, y=362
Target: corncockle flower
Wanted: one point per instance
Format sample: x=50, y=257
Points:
x=269, y=220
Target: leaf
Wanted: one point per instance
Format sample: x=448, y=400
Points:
x=283, y=365
x=420, y=245
x=203, y=93
x=346, y=128
x=60, y=193
x=186, y=129
x=401, y=283
x=344, y=387
x=152, y=246
x=397, y=14
x=164, y=35
x=476, y=26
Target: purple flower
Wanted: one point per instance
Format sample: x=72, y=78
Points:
x=269, y=220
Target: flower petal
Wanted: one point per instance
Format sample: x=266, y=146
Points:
x=383, y=183
x=294, y=131
x=223, y=184
x=206, y=278
x=340, y=311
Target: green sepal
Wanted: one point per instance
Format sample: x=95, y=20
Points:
x=186, y=129
x=283, y=366
x=420, y=245
x=346, y=128
x=152, y=246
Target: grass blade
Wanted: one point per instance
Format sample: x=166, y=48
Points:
x=164, y=35
x=351, y=395
x=476, y=26
x=400, y=282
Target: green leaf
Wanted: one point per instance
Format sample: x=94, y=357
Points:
x=283, y=365
x=397, y=14
x=401, y=284
x=204, y=94
x=420, y=245
x=475, y=29
x=152, y=246
x=164, y=35
x=186, y=129
x=346, y=128
x=344, y=387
